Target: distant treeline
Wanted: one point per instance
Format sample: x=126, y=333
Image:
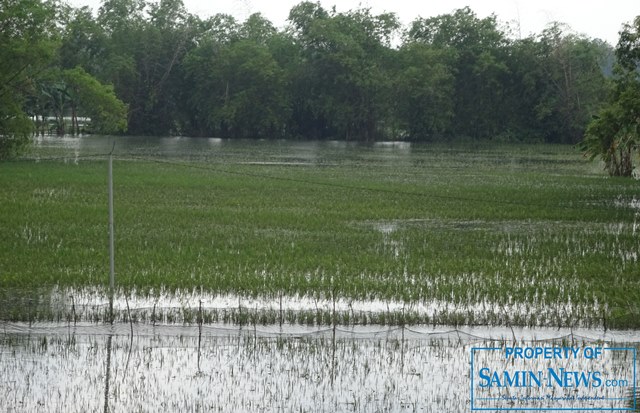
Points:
x=327, y=75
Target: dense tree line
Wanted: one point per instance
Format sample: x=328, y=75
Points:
x=151, y=68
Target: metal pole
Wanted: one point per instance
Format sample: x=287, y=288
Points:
x=112, y=265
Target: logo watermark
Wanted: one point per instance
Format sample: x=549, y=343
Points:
x=531, y=378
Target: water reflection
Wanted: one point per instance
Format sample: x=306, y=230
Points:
x=107, y=376
x=361, y=369
x=257, y=152
x=391, y=155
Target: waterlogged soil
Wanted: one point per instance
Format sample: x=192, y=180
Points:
x=121, y=367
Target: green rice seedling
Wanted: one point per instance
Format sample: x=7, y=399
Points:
x=543, y=232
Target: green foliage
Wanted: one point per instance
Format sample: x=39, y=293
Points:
x=83, y=42
x=614, y=135
x=142, y=59
x=252, y=92
x=241, y=92
x=477, y=49
x=15, y=128
x=342, y=83
x=628, y=47
x=108, y=114
x=574, y=83
x=423, y=88
x=255, y=104
x=27, y=44
x=329, y=75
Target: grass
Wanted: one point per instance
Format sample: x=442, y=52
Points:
x=508, y=226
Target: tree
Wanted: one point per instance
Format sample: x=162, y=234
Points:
x=257, y=29
x=628, y=47
x=83, y=42
x=28, y=34
x=329, y=74
x=238, y=87
x=525, y=88
x=143, y=60
x=92, y=99
x=342, y=88
x=202, y=90
x=614, y=135
x=574, y=84
x=423, y=87
x=56, y=99
x=477, y=50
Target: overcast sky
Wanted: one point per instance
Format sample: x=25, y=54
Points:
x=598, y=19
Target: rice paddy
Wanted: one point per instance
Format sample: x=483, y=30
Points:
x=461, y=235
x=303, y=276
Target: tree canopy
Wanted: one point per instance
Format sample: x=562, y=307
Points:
x=27, y=44
x=43, y=48
x=152, y=68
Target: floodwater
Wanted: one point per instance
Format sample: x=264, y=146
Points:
x=298, y=153
x=101, y=367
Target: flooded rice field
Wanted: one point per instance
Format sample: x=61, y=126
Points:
x=259, y=276
x=49, y=367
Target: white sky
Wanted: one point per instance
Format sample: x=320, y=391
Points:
x=598, y=19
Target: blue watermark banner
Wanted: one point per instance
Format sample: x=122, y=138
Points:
x=531, y=378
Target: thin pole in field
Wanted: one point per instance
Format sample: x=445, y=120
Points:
x=112, y=265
